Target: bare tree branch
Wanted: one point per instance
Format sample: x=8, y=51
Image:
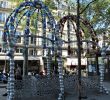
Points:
x=87, y=6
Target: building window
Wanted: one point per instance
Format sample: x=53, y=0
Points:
x=19, y=40
x=3, y=16
x=32, y=39
x=1, y=4
x=31, y=52
x=19, y=37
x=0, y=50
x=39, y=42
x=19, y=50
x=0, y=36
x=4, y=4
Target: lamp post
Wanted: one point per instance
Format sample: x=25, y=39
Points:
x=26, y=41
x=79, y=47
x=68, y=29
x=87, y=57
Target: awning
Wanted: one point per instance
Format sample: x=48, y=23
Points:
x=74, y=61
x=19, y=58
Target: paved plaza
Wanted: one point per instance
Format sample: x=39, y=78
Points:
x=68, y=96
x=2, y=91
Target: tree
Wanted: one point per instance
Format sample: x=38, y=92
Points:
x=17, y=1
x=98, y=13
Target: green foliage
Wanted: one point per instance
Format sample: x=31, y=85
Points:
x=17, y=1
x=50, y=4
x=98, y=13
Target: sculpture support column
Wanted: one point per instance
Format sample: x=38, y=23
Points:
x=48, y=63
x=102, y=88
x=10, y=54
x=60, y=70
x=11, y=80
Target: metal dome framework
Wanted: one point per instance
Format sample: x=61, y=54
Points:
x=71, y=20
x=10, y=37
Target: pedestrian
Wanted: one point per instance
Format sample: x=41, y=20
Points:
x=5, y=78
x=18, y=74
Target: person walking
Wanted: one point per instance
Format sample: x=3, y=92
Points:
x=18, y=74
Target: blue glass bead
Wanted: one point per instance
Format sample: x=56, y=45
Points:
x=11, y=27
x=28, y=22
x=27, y=31
x=12, y=19
x=17, y=10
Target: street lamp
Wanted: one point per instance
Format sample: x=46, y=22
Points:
x=26, y=42
x=79, y=47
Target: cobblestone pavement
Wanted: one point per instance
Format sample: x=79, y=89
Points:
x=2, y=91
x=68, y=96
x=93, y=96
